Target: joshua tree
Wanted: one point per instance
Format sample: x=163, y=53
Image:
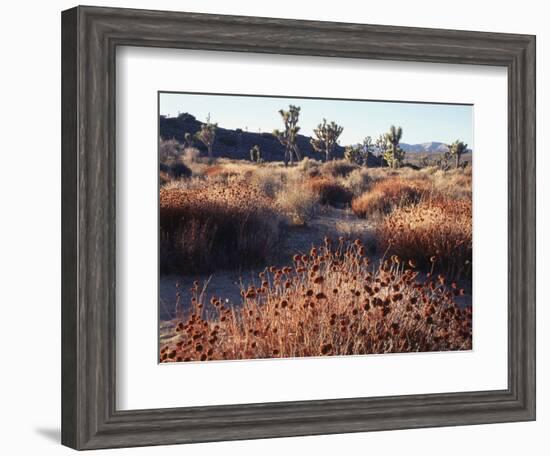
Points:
x=289, y=136
x=444, y=161
x=207, y=134
x=424, y=161
x=353, y=154
x=256, y=154
x=327, y=135
x=359, y=154
x=381, y=145
x=368, y=146
x=456, y=150
x=393, y=154
x=188, y=140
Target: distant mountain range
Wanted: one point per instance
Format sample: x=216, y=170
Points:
x=237, y=143
x=426, y=148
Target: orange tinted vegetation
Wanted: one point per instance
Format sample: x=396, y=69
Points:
x=329, y=302
x=388, y=194
x=329, y=190
x=438, y=231
x=215, y=225
x=215, y=170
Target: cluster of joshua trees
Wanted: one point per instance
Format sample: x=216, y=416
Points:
x=325, y=140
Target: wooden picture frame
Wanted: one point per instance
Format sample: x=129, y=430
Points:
x=90, y=36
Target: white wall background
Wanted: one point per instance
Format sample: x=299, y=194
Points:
x=30, y=225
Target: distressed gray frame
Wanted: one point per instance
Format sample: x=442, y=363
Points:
x=90, y=36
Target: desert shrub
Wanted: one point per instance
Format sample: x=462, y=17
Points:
x=214, y=226
x=174, y=169
x=191, y=158
x=412, y=166
x=179, y=170
x=330, y=302
x=164, y=178
x=360, y=180
x=329, y=191
x=436, y=234
x=168, y=149
x=338, y=168
x=299, y=203
x=219, y=173
x=214, y=170
x=268, y=180
x=310, y=167
x=194, y=183
x=388, y=194
x=191, y=155
x=455, y=183
x=198, y=169
x=428, y=170
x=237, y=167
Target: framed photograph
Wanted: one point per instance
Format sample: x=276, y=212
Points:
x=279, y=228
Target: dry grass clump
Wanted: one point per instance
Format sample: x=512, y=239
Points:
x=173, y=169
x=361, y=180
x=215, y=170
x=192, y=155
x=330, y=191
x=237, y=167
x=208, y=225
x=299, y=203
x=329, y=302
x=338, y=168
x=222, y=169
x=269, y=180
x=169, y=149
x=388, y=194
x=219, y=173
x=286, y=186
x=456, y=183
x=436, y=234
x=309, y=167
x=181, y=161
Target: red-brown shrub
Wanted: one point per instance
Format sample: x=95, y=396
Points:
x=436, y=234
x=216, y=226
x=329, y=190
x=388, y=194
x=329, y=302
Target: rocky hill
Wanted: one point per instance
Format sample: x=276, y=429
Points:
x=237, y=143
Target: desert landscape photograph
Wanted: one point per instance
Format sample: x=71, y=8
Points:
x=305, y=227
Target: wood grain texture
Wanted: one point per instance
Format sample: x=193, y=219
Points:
x=69, y=227
x=89, y=39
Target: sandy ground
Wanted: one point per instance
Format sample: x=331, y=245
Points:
x=331, y=222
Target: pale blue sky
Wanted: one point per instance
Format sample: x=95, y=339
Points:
x=421, y=122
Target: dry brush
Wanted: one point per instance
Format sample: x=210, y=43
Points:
x=331, y=301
